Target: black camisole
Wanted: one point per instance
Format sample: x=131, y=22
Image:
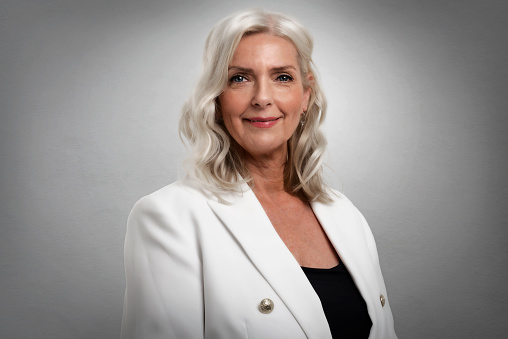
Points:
x=342, y=303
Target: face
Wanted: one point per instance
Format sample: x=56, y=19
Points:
x=264, y=98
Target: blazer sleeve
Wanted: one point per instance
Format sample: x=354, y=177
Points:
x=164, y=293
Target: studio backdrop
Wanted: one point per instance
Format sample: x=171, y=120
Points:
x=90, y=97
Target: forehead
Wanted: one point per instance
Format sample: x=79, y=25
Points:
x=262, y=48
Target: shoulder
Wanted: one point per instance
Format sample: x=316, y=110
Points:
x=343, y=209
x=339, y=199
x=179, y=194
x=184, y=188
x=177, y=207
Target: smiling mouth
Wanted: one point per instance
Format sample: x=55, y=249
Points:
x=262, y=119
x=259, y=122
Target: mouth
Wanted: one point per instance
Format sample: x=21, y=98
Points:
x=262, y=119
x=262, y=122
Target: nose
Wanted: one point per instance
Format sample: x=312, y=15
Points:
x=263, y=95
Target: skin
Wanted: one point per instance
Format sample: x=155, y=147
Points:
x=261, y=108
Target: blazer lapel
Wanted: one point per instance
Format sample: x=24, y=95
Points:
x=247, y=221
x=342, y=224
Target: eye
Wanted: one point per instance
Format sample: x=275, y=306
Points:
x=285, y=78
x=237, y=78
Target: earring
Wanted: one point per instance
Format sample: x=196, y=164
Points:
x=302, y=119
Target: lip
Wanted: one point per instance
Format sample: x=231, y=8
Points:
x=262, y=122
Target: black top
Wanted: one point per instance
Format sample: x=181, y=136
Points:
x=343, y=304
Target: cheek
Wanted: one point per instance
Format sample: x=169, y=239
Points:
x=294, y=103
x=230, y=104
x=228, y=109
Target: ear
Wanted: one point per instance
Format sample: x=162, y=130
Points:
x=307, y=90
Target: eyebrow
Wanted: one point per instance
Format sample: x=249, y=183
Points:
x=240, y=69
x=249, y=70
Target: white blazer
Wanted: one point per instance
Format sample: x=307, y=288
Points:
x=199, y=268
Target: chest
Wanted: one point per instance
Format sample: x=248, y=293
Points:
x=299, y=229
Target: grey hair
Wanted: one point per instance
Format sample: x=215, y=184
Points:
x=214, y=160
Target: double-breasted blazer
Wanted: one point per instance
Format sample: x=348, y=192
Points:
x=197, y=267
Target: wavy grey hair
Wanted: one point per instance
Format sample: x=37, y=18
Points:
x=215, y=161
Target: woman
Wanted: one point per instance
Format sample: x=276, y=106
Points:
x=252, y=243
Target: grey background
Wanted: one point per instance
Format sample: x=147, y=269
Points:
x=90, y=97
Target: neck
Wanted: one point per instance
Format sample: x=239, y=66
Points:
x=267, y=172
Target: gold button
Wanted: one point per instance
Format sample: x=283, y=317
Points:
x=382, y=298
x=266, y=306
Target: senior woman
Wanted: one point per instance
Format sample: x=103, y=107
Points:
x=252, y=243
